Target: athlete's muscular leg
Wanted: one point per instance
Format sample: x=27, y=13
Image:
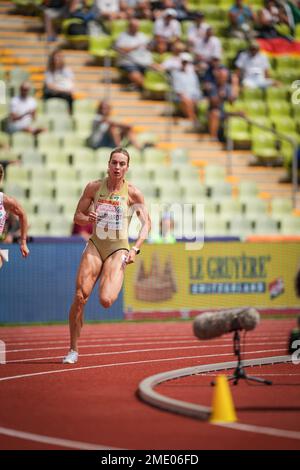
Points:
x=111, y=278
x=88, y=272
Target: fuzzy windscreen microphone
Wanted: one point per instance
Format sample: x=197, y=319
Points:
x=213, y=324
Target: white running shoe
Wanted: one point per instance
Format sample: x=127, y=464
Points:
x=71, y=357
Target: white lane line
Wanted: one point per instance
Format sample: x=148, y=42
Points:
x=164, y=338
x=261, y=430
x=102, y=333
x=99, y=366
x=100, y=345
x=54, y=441
x=20, y=336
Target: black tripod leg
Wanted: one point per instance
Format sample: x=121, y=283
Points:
x=258, y=379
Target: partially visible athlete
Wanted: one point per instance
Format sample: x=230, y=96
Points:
x=10, y=204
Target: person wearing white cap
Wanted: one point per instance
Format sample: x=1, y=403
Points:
x=187, y=88
x=167, y=25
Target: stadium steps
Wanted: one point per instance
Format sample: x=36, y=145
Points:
x=22, y=35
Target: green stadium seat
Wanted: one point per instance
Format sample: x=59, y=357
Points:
x=65, y=173
x=221, y=190
x=49, y=141
x=281, y=207
x=18, y=190
x=170, y=192
x=32, y=157
x=179, y=156
x=255, y=207
x=162, y=174
x=101, y=47
x=16, y=173
x=247, y=189
x=60, y=226
x=240, y=226
x=186, y=173
x=40, y=173
x=194, y=191
x=29, y=207
x=214, y=226
x=265, y=226
x=117, y=27
x=47, y=208
x=38, y=227
x=57, y=106
x=230, y=208
x=277, y=93
x=154, y=155
x=22, y=140
x=82, y=157
x=56, y=159
x=253, y=94
x=156, y=82
x=40, y=189
x=146, y=27
x=279, y=108
x=290, y=225
x=214, y=174
x=85, y=106
x=67, y=190
x=62, y=124
x=284, y=123
x=148, y=189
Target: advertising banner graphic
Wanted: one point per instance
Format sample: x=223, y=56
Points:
x=221, y=275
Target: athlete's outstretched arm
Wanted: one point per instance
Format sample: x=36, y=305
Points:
x=82, y=214
x=13, y=206
x=137, y=204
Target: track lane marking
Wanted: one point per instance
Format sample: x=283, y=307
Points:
x=55, y=441
x=116, y=364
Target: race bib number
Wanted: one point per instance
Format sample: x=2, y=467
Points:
x=110, y=217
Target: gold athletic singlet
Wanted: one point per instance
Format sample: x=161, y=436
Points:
x=110, y=232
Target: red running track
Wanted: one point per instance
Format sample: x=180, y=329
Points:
x=94, y=402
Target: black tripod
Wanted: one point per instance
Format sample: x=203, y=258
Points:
x=239, y=372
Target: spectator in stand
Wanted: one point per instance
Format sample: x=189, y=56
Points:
x=23, y=112
x=253, y=68
x=59, y=82
x=138, y=9
x=223, y=88
x=54, y=10
x=158, y=45
x=272, y=15
x=135, y=56
x=110, y=9
x=80, y=10
x=168, y=26
x=174, y=61
x=206, y=48
x=84, y=231
x=198, y=29
x=108, y=133
x=241, y=20
x=187, y=88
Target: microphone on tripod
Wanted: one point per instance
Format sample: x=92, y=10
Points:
x=212, y=325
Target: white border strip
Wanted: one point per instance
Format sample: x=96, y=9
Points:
x=149, y=395
x=54, y=441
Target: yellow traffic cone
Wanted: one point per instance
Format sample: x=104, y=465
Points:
x=222, y=405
